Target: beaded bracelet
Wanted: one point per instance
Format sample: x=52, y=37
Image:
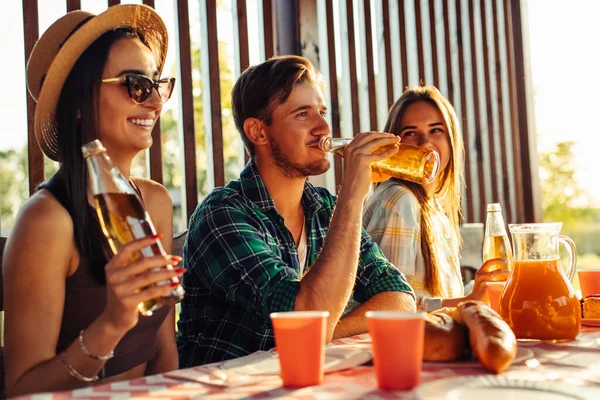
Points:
x=88, y=353
x=74, y=373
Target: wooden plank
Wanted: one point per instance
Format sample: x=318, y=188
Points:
x=478, y=145
x=470, y=211
x=73, y=5
x=370, y=67
x=514, y=116
x=530, y=179
x=447, y=45
x=215, y=93
x=389, y=73
x=242, y=22
x=286, y=17
x=352, y=67
x=34, y=153
x=155, y=164
x=243, y=55
x=433, y=39
x=403, y=53
x=187, y=108
x=488, y=102
x=506, y=203
x=268, y=27
x=335, y=105
x=420, y=51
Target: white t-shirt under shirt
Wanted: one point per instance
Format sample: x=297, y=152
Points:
x=302, y=248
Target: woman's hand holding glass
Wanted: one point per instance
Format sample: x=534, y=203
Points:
x=128, y=283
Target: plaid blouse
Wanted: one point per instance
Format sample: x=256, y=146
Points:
x=392, y=216
x=243, y=265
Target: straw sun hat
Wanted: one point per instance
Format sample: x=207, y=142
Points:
x=59, y=48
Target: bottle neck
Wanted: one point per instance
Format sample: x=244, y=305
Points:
x=331, y=144
x=494, y=224
x=105, y=177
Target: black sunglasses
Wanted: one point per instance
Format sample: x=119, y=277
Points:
x=140, y=87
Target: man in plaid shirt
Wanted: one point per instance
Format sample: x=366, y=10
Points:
x=270, y=241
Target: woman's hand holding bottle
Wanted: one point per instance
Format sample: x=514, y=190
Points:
x=131, y=280
x=493, y=270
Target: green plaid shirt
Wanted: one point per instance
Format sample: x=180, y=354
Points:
x=243, y=265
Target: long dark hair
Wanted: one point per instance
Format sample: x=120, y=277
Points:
x=78, y=121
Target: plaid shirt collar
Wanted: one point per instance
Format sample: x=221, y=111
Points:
x=252, y=187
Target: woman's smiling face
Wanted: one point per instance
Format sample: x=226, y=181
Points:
x=125, y=125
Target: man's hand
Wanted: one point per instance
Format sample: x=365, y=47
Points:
x=358, y=157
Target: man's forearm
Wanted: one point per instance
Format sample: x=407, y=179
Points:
x=329, y=283
x=355, y=322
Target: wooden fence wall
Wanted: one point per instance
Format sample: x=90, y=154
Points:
x=475, y=51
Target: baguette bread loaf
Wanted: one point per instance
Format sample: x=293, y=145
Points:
x=492, y=340
x=445, y=339
x=451, y=311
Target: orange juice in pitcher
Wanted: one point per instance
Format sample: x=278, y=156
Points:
x=539, y=301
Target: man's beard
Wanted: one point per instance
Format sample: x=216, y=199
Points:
x=292, y=170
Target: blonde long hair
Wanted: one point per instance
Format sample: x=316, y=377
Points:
x=449, y=186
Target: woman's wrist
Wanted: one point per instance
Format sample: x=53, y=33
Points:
x=109, y=332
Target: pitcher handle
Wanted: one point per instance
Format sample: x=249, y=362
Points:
x=570, y=245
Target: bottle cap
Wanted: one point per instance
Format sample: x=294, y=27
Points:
x=494, y=207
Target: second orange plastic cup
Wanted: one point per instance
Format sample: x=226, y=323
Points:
x=589, y=280
x=397, y=348
x=494, y=290
x=300, y=342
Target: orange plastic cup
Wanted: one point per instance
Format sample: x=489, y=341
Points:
x=494, y=290
x=397, y=348
x=300, y=342
x=589, y=280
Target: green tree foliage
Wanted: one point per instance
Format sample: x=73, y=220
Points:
x=172, y=154
x=563, y=199
x=14, y=184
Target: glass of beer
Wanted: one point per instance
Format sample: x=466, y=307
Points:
x=410, y=163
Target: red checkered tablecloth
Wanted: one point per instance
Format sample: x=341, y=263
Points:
x=573, y=364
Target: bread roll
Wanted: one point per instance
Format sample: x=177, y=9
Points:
x=445, y=339
x=492, y=340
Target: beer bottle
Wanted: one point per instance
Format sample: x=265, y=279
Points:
x=123, y=217
x=495, y=242
x=411, y=163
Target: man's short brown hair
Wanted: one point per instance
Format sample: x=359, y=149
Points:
x=262, y=87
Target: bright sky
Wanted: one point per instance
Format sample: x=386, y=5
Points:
x=565, y=62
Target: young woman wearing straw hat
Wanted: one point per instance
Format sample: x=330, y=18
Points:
x=93, y=77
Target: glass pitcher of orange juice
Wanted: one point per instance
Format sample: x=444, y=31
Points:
x=539, y=301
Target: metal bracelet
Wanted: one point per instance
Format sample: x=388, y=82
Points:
x=74, y=373
x=88, y=353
